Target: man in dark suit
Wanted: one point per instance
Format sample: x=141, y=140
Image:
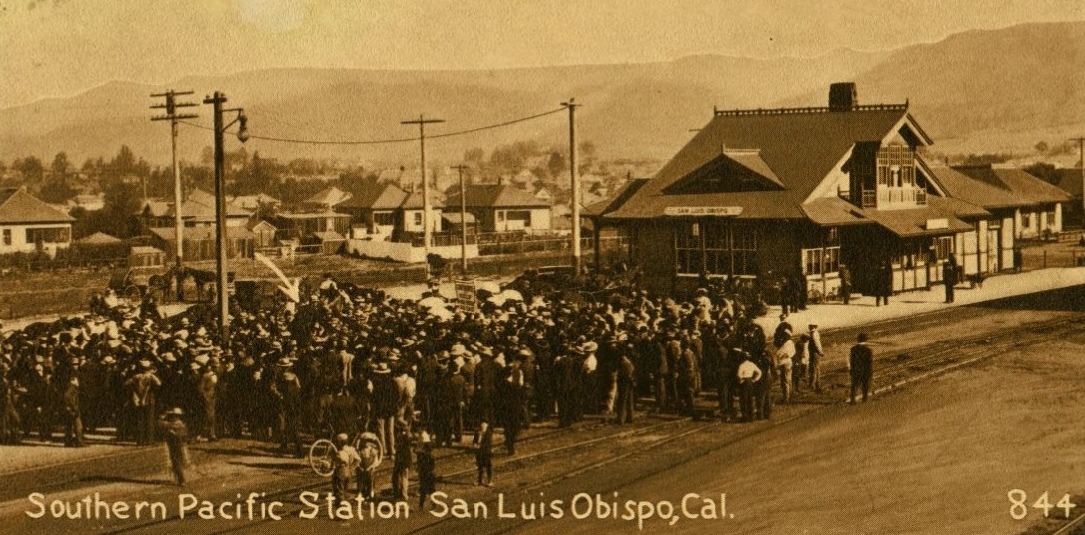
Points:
x=949, y=278
x=862, y=367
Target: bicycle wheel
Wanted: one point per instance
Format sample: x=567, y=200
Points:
x=321, y=455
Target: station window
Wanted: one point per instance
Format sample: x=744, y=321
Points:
x=716, y=249
x=943, y=246
x=7, y=236
x=821, y=260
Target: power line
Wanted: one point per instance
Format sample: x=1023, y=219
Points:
x=390, y=140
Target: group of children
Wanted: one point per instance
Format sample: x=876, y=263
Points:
x=348, y=460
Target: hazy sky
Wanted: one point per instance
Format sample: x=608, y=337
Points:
x=62, y=47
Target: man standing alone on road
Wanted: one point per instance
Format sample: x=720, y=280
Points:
x=814, y=352
x=175, y=432
x=862, y=367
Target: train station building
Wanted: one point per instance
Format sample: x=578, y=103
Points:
x=795, y=192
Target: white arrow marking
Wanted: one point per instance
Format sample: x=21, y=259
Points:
x=292, y=289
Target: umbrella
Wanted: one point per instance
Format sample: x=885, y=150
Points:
x=441, y=312
x=489, y=286
x=432, y=302
x=498, y=299
x=512, y=295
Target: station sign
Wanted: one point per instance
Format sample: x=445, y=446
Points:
x=937, y=224
x=466, y=296
x=698, y=211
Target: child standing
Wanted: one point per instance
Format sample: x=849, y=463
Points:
x=427, y=471
x=484, y=454
x=346, y=460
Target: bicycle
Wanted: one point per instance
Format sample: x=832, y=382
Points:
x=322, y=453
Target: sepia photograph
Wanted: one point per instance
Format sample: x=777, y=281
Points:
x=542, y=267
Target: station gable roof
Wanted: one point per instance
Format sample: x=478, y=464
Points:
x=798, y=147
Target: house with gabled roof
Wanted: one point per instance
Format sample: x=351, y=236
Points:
x=502, y=208
x=794, y=193
x=385, y=209
x=197, y=210
x=327, y=199
x=28, y=224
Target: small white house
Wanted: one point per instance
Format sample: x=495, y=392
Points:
x=28, y=224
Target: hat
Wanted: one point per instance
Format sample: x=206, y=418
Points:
x=109, y=360
x=590, y=347
x=284, y=363
x=382, y=368
x=144, y=363
x=202, y=359
x=813, y=326
x=425, y=437
x=176, y=411
x=862, y=337
x=783, y=317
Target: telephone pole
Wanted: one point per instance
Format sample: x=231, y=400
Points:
x=574, y=177
x=220, y=204
x=172, y=116
x=1081, y=165
x=427, y=232
x=463, y=218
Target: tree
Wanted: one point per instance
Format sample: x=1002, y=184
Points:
x=1042, y=147
x=121, y=202
x=556, y=164
x=475, y=155
x=124, y=163
x=587, y=150
x=356, y=180
x=1044, y=171
x=30, y=168
x=61, y=165
x=56, y=190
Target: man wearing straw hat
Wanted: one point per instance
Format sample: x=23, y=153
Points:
x=175, y=432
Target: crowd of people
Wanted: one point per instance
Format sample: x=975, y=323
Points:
x=349, y=359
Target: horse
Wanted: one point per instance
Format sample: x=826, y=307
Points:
x=201, y=277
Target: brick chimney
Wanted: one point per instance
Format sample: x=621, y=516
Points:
x=843, y=96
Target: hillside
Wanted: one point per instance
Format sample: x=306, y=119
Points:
x=975, y=91
x=987, y=91
x=629, y=110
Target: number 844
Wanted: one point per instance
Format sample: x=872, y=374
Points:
x=1019, y=507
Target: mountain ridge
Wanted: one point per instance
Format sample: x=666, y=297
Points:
x=1021, y=82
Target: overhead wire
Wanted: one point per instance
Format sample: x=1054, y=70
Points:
x=386, y=141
